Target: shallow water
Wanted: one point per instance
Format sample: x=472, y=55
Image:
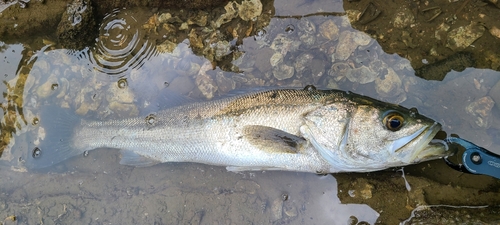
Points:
x=122, y=74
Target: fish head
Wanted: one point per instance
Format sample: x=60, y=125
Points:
x=370, y=135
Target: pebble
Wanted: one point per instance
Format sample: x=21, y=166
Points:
x=362, y=75
x=403, y=18
x=348, y=42
x=249, y=9
x=224, y=82
x=206, y=84
x=329, y=30
x=481, y=110
x=462, y=37
x=495, y=31
x=277, y=209
x=283, y=71
x=390, y=85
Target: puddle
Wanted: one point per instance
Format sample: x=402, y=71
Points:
x=207, y=54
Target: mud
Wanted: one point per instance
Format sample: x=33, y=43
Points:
x=418, y=33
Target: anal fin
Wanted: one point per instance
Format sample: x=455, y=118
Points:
x=131, y=158
x=250, y=168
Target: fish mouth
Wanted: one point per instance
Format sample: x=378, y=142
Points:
x=426, y=147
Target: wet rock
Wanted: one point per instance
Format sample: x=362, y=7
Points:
x=170, y=29
x=329, y=30
x=462, y=37
x=389, y=84
x=184, y=26
x=277, y=209
x=441, y=31
x=166, y=47
x=195, y=40
x=306, y=26
x=317, y=69
x=308, y=40
x=77, y=26
x=199, y=19
x=276, y=59
x=361, y=75
x=481, y=110
x=205, y=82
x=353, y=15
x=338, y=70
x=495, y=31
x=165, y=18
x=493, y=57
x=361, y=188
x=230, y=14
x=284, y=44
x=283, y=71
x=348, y=42
x=403, y=18
x=366, y=192
x=224, y=82
x=390, y=87
x=243, y=62
x=222, y=48
x=249, y=9
x=302, y=62
x=152, y=24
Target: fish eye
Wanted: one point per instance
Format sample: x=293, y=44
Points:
x=393, y=121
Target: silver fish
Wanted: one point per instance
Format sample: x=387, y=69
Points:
x=309, y=130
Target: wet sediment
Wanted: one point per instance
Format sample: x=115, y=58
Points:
x=428, y=33
x=75, y=21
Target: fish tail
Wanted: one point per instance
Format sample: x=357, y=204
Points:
x=52, y=141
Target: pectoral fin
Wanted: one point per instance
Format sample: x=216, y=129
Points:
x=273, y=140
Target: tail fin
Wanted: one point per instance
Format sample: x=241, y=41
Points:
x=51, y=143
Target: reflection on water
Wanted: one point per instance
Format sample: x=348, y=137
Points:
x=121, y=46
x=13, y=94
x=138, y=54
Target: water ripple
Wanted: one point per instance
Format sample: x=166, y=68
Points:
x=121, y=45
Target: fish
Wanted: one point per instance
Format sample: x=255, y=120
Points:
x=303, y=130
